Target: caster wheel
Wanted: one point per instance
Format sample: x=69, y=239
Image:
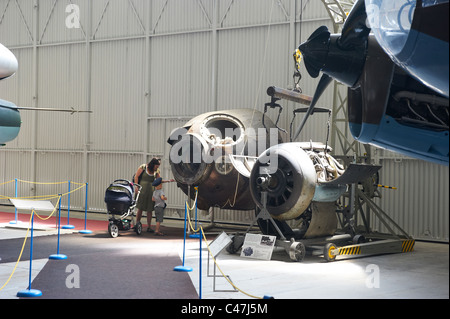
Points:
x=327, y=252
x=359, y=239
x=297, y=251
x=113, y=230
x=138, y=228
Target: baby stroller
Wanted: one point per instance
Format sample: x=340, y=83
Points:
x=120, y=199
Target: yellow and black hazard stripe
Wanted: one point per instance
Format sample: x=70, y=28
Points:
x=384, y=186
x=353, y=250
x=408, y=245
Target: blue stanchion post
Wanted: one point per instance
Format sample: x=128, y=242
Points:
x=58, y=256
x=15, y=221
x=30, y=292
x=68, y=226
x=200, y=267
x=183, y=268
x=85, y=231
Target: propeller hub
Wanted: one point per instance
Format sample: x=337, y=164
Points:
x=340, y=56
x=315, y=51
x=322, y=52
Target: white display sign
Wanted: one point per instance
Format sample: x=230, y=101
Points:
x=219, y=244
x=258, y=246
x=37, y=205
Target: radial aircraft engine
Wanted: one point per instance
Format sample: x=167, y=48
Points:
x=216, y=152
x=200, y=155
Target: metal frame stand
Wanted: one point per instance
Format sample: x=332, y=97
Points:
x=264, y=215
x=215, y=248
x=214, y=275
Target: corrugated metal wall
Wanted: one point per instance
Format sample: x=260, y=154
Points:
x=420, y=203
x=145, y=67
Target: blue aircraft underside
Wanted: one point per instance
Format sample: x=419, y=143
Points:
x=428, y=145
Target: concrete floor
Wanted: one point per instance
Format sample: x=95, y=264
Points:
x=423, y=273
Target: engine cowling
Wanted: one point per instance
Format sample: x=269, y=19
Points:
x=10, y=121
x=287, y=174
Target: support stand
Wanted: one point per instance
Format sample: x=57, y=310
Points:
x=86, y=231
x=15, y=221
x=183, y=268
x=33, y=206
x=216, y=247
x=214, y=275
x=30, y=292
x=200, y=268
x=68, y=226
x=264, y=215
x=58, y=256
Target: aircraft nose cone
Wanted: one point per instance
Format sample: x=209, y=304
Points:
x=8, y=63
x=315, y=51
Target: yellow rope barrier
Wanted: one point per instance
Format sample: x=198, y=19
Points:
x=209, y=250
x=6, y=183
x=78, y=183
x=40, y=197
x=224, y=276
x=42, y=183
x=83, y=185
x=191, y=209
x=195, y=202
x=26, y=236
x=20, y=255
x=54, y=210
x=45, y=197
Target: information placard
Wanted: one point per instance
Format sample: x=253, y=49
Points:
x=37, y=205
x=258, y=246
x=219, y=244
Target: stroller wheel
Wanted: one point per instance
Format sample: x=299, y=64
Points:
x=113, y=230
x=138, y=228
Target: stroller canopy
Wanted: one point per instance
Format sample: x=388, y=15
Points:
x=119, y=196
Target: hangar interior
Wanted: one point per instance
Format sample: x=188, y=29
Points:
x=139, y=69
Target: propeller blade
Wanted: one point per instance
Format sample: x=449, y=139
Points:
x=325, y=80
x=355, y=30
x=318, y=32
